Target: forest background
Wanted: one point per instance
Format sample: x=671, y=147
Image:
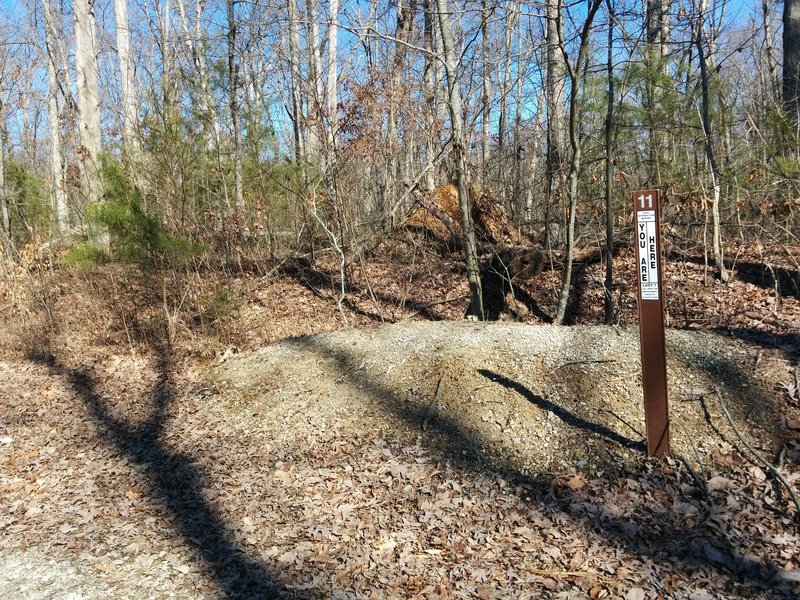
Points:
x=184, y=182
x=227, y=134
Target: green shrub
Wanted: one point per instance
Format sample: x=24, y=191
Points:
x=30, y=214
x=135, y=235
x=84, y=256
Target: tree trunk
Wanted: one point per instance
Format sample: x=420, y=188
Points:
x=126, y=68
x=518, y=198
x=460, y=159
x=505, y=75
x=332, y=96
x=575, y=76
x=430, y=90
x=767, y=7
x=608, y=304
x=233, y=76
x=657, y=26
x=194, y=46
x=317, y=99
x=486, y=108
x=791, y=61
x=168, y=91
x=5, y=215
x=555, y=112
x=653, y=58
x=709, y=135
x=402, y=34
x=88, y=98
x=295, y=95
x=56, y=158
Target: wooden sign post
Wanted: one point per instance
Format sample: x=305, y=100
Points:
x=647, y=226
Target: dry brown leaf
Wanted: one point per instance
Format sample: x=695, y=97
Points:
x=731, y=459
x=574, y=481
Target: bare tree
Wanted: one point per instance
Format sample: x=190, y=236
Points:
x=791, y=60
x=608, y=304
x=56, y=158
x=332, y=96
x=575, y=74
x=430, y=84
x=5, y=216
x=233, y=80
x=130, y=120
x=554, y=99
x=88, y=97
x=767, y=8
x=404, y=27
x=295, y=93
x=709, y=137
x=459, y=158
x=316, y=95
x=655, y=55
x=193, y=41
x=505, y=74
x=486, y=76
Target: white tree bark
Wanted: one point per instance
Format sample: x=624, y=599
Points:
x=5, y=216
x=88, y=97
x=295, y=93
x=333, y=77
x=130, y=120
x=56, y=158
x=193, y=44
x=316, y=135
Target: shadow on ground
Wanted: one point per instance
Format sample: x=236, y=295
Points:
x=175, y=483
x=785, y=281
x=787, y=343
x=661, y=535
x=562, y=413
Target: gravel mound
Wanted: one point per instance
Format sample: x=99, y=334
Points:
x=532, y=399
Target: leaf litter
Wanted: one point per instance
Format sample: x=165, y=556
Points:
x=302, y=470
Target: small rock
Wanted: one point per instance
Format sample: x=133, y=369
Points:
x=635, y=594
x=716, y=484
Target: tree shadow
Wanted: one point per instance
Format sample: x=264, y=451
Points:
x=320, y=282
x=175, y=482
x=497, y=289
x=786, y=280
x=576, y=300
x=664, y=535
x=562, y=413
x=787, y=343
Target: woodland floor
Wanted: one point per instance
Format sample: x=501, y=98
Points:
x=204, y=436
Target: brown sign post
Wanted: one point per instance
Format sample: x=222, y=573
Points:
x=647, y=226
